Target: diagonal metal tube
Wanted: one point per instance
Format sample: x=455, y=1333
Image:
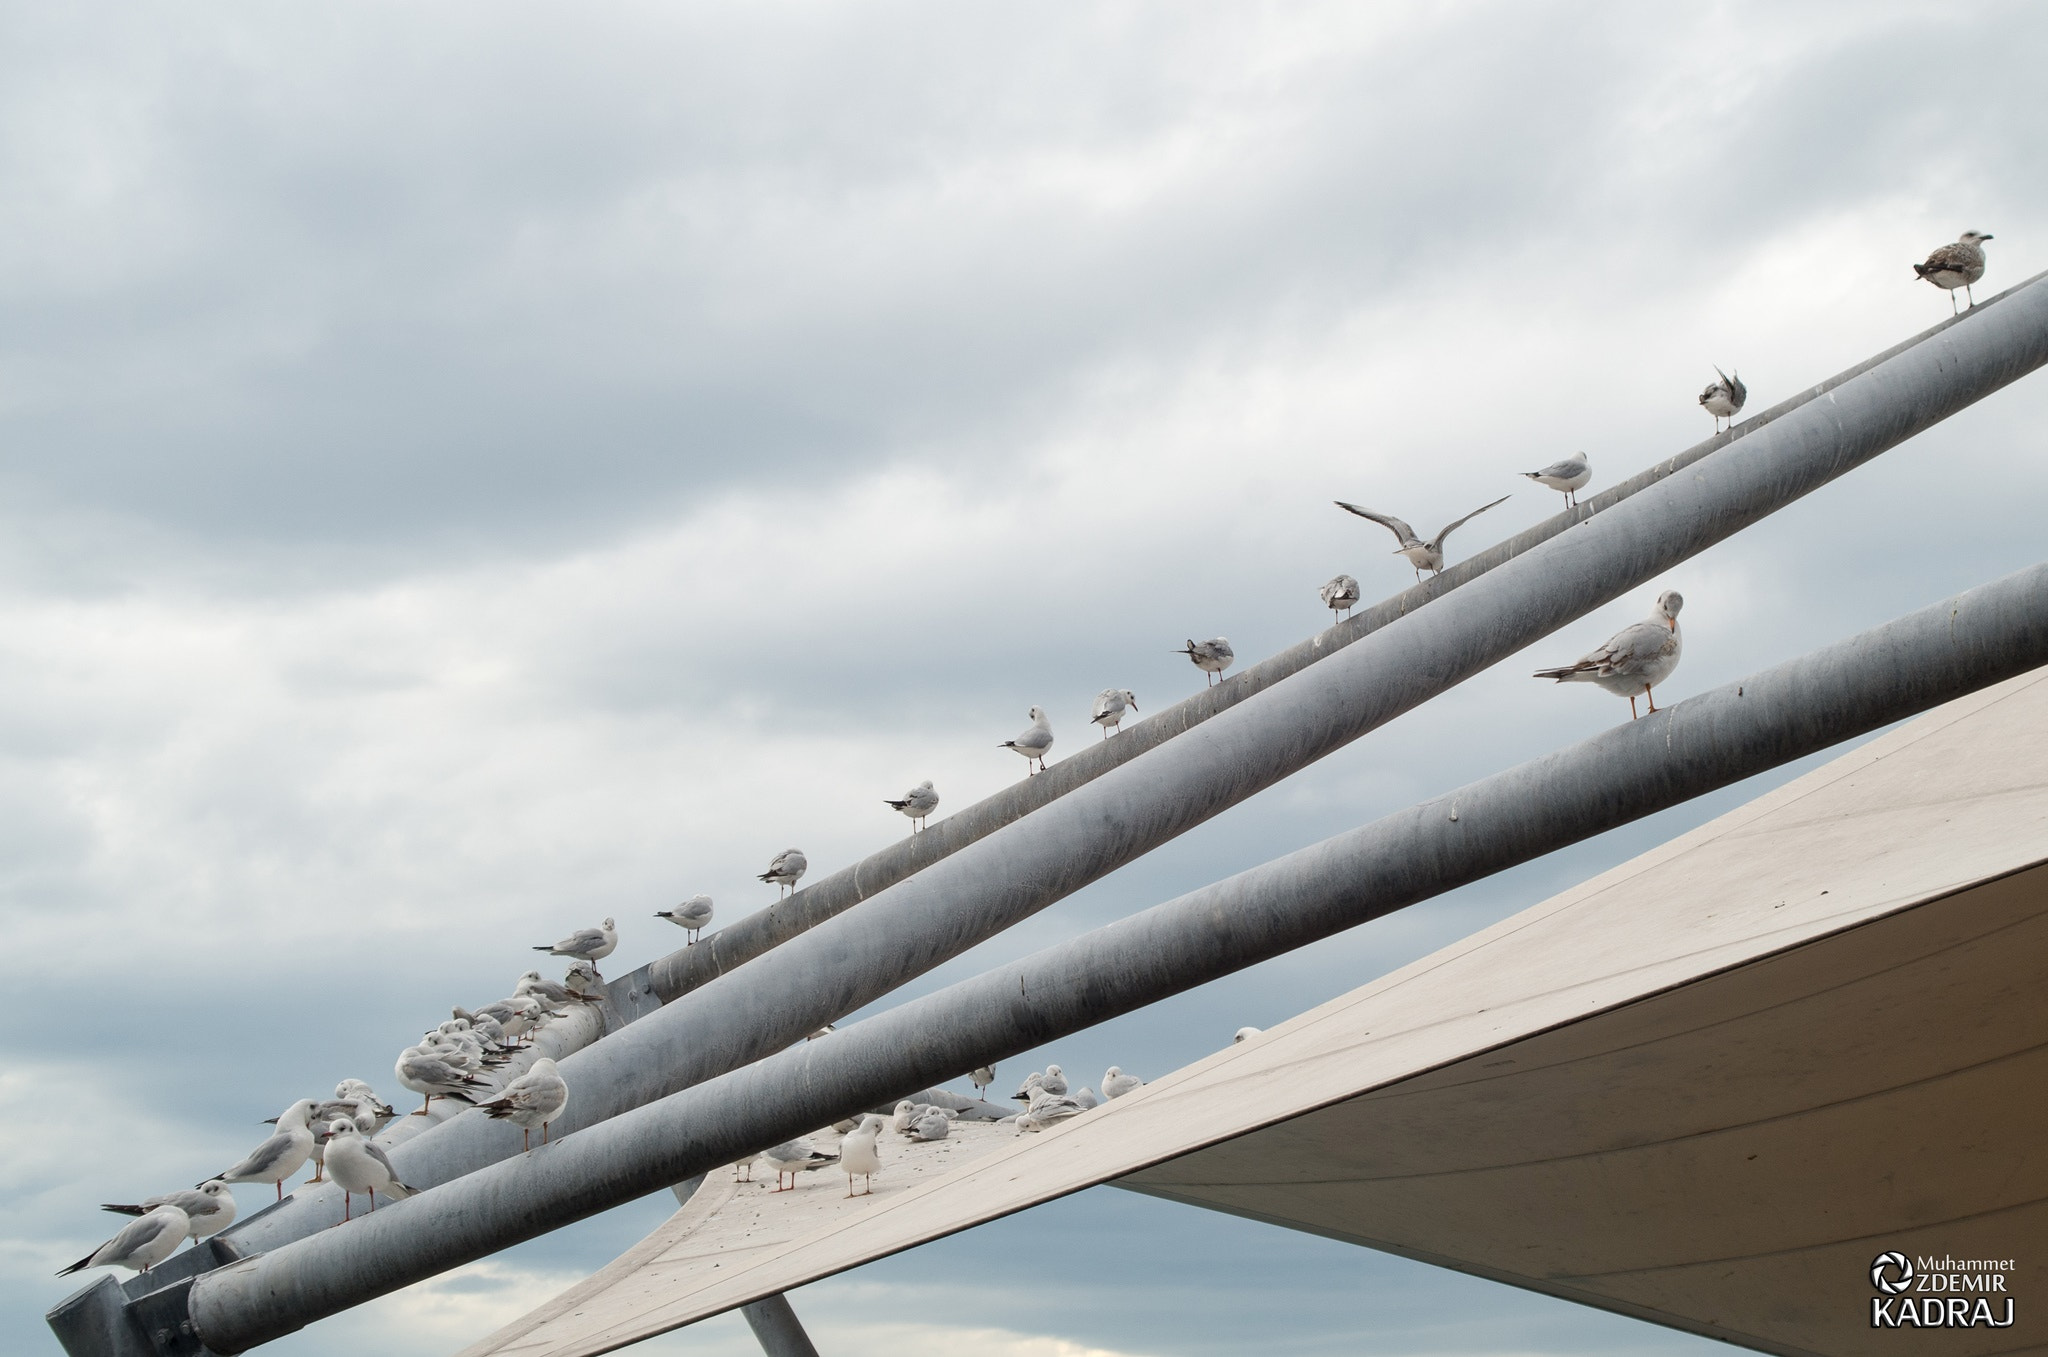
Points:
x=1958, y=646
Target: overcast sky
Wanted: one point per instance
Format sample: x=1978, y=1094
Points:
x=467, y=470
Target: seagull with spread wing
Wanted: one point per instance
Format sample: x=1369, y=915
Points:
x=1422, y=555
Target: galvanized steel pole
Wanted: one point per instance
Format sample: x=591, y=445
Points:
x=987, y=886
x=1966, y=643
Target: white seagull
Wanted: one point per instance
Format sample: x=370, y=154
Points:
x=1116, y=1083
x=1212, y=656
x=279, y=1157
x=431, y=1074
x=916, y=803
x=1422, y=555
x=1244, y=1034
x=859, y=1156
x=786, y=868
x=1036, y=741
x=792, y=1157
x=535, y=1098
x=360, y=1165
x=586, y=944
x=692, y=916
x=1110, y=706
x=1723, y=399
x=140, y=1244
x=209, y=1208
x=1956, y=266
x=931, y=1123
x=1635, y=659
x=982, y=1077
x=1571, y=474
x=1341, y=594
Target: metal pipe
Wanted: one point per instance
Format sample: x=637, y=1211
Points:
x=1963, y=644
x=984, y=888
x=669, y=977
x=775, y=1325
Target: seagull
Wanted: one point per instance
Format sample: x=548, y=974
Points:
x=931, y=1123
x=361, y=1111
x=1054, y=1081
x=1033, y=1086
x=1116, y=1083
x=858, y=1155
x=360, y=1165
x=279, y=1157
x=1110, y=706
x=792, y=1157
x=1341, y=594
x=582, y=981
x=1046, y=1111
x=1212, y=656
x=209, y=1208
x=535, y=1098
x=1245, y=1034
x=140, y=1244
x=548, y=992
x=355, y=1090
x=1422, y=555
x=917, y=803
x=787, y=868
x=1956, y=266
x=1087, y=1099
x=1036, y=741
x=982, y=1078
x=906, y=1113
x=1635, y=659
x=692, y=916
x=1573, y=472
x=433, y=1075
x=1723, y=399
x=586, y=944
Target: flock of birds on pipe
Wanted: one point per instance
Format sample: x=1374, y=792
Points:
x=458, y=1058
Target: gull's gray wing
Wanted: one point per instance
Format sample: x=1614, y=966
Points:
x=1451, y=527
x=263, y=1158
x=1570, y=466
x=1394, y=525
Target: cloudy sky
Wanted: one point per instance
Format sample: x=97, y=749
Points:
x=470, y=470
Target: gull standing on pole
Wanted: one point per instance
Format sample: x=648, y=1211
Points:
x=360, y=1165
x=535, y=1098
x=1571, y=474
x=787, y=868
x=859, y=1156
x=1341, y=594
x=1035, y=743
x=1422, y=555
x=916, y=803
x=431, y=1075
x=982, y=1077
x=586, y=944
x=692, y=916
x=1212, y=656
x=209, y=1208
x=1110, y=706
x=279, y=1157
x=1956, y=266
x=1723, y=399
x=140, y=1244
x=1635, y=659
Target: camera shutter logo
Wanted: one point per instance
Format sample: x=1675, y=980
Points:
x=1892, y=1273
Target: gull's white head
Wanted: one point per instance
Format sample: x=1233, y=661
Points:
x=1973, y=237
x=1130, y=699
x=1668, y=604
x=1037, y=713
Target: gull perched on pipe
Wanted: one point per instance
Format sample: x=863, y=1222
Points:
x=1723, y=399
x=692, y=916
x=793, y=1157
x=1422, y=555
x=916, y=803
x=279, y=1157
x=1572, y=474
x=1956, y=266
x=1110, y=706
x=140, y=1244
x=586, y=944
x=1341, y=594
x=1212, y=656
x=1035, y=743
x=209, y=1208
x=1635, y=659
x=787, y=868
x=359, y=1164
x=535, y=1098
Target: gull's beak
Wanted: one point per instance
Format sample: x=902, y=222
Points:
x=1671, y=622
x=1134, y=706
x=1986, y=236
